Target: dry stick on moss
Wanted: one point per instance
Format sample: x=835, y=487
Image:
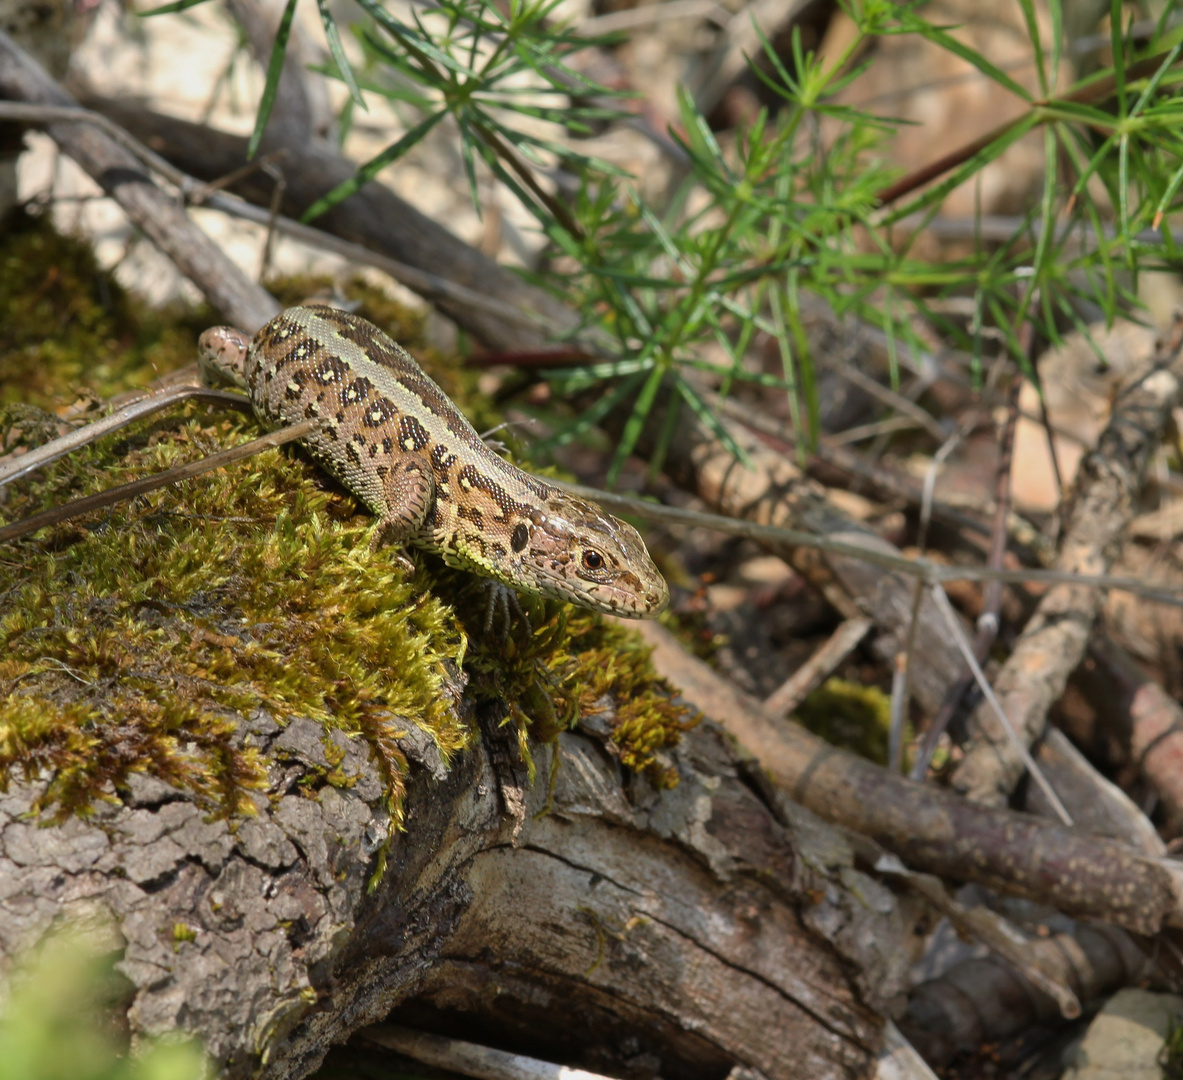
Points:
x=819, y=667
x=17, y=466
x=1097, y=514
x=78, y=507
x=240, y=300
x=931, y=829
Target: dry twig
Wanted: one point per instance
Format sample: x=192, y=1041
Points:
x=121, y=175
x=1053, y=642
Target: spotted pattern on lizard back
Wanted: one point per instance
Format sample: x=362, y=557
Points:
x=395, y=439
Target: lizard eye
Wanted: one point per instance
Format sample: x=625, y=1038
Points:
x=593, y=560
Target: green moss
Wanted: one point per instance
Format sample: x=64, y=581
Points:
x=133, y=640
x=137, y=635
x=851, y=715
x=183, y=932
x=68, y=330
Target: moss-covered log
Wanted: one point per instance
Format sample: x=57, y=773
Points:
x=605, y=919
x=308, y=784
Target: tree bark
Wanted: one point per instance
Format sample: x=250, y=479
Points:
x=691, y=921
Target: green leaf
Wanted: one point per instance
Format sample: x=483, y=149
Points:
x=1055, y=10
x=1155, y=81
x=1117, y=41
x=274, y=71
x=1168, y=197
x=1046, y=240
x=170, y=9
x=635, y=424
x=593, y=415
x=371, y=168
x=971, y=56
x=711, y=421
x=1032, y=21
x=333, y=36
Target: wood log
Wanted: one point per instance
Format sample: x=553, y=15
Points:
x=689, y=922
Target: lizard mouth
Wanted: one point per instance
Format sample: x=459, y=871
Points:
x=621, y=596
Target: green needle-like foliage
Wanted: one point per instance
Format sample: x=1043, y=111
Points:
x=795, y=205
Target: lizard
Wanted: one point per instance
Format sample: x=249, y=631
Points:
x=392, y=436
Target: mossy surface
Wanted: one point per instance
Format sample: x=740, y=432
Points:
x=133, y=640
x=68, y=331
x=851, y=715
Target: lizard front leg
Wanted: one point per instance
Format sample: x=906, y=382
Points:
x=408, y=498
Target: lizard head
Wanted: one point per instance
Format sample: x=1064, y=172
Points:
x=574, y=551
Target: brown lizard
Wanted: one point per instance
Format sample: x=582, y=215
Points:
x=396, y=440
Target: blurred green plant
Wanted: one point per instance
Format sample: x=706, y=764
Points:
x=797, y=203
x=61, y=1019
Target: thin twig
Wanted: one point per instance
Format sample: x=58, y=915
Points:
x=49, y=452
x=950, y=616
x=988, y=621
x=78, y=507
x=929, y=572
x=891, y=399
x=819, y=667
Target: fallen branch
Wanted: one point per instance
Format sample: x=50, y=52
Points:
x=931, y=829
x=1096, y=515
x=374, y=217
x=122, y=176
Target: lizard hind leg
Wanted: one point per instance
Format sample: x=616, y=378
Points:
x=407, y=500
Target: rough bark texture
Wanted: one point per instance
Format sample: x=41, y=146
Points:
x=690, y=922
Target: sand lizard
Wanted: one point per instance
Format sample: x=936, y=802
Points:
x=396, y=440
